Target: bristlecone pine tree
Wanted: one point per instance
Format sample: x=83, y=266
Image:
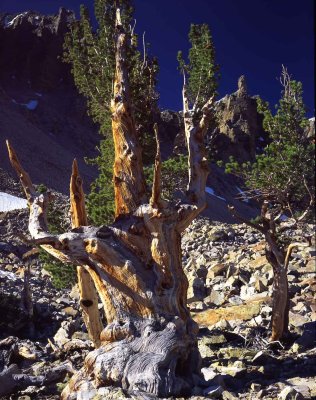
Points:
x=91, y=54
x=149, y=344
x=282, y=179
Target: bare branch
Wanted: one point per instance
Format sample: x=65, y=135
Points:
x=77, y=199
x=144, y=50
x=38, y=202
x=236, y=215
x=156, y=189
x=311, y=202
x=23, y=175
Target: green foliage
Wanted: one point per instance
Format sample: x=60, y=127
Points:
x=284, y=173
x=63, y=275
x=201, y=69
x=174, y=175
x=92, y=57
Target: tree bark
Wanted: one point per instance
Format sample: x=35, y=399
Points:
x=279, y=260
x=88, y=295
x=149, y=345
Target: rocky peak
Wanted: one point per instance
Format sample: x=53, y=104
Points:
x=57, y=24
x=237, y=131
x=242, y=86
x=31, y=46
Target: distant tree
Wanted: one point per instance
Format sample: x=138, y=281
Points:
x=201, y=72
x=200, y=81
x=282, y=179
x=91, y=54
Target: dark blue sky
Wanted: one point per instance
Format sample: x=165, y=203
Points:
x=252, y=37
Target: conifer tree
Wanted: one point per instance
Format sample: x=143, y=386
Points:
x=200, y=81
x=201, y=73
x=282, y=180
x=91, y=54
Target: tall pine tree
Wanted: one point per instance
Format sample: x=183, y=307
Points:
x=91, y=53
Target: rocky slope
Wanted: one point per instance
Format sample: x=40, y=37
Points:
x=43, y=115
x=41, y=112
x=229, y=295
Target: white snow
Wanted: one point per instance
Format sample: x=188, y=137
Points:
x=312, y=119
x=30, y=105
x=9, y=202
x=211, y=191
x=244, y=197
x=11, y=22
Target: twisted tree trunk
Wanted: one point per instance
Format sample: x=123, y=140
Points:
x=149, y=344
x=279, y=258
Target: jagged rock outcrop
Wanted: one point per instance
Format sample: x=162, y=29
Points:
x=31, y=48
x=238, y=130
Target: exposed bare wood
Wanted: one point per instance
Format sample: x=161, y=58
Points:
x=88, y=294
x=77, y=198
x=23, y=176
x=156, y=189
x=129, y=182
x=150, y=343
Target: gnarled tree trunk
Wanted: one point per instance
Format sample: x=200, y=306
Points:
x=279, y=258
x=149, y=344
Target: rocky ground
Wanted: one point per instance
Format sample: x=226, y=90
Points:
x=230, y=285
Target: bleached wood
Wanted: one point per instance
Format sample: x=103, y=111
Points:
x=149, y=346
x=87, y=291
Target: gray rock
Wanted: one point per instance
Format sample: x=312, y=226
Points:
x=289, y=393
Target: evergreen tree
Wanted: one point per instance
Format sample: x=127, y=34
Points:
x=282, y=179
x=284, y=173
x=92, y=57
x=202, y=70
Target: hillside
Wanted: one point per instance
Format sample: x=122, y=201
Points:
x=177, y=297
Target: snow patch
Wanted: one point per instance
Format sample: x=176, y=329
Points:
x=312, y=119
x=9, y=202
x=30, y=105
x=11, y=22
x=243, y=195
x=211, y=191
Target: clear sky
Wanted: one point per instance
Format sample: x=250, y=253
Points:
x=252, y=37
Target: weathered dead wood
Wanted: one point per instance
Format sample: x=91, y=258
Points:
x=129, y=181
x=155, y=200
x=149, y=345
x=88, y=294
x=13, y=379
